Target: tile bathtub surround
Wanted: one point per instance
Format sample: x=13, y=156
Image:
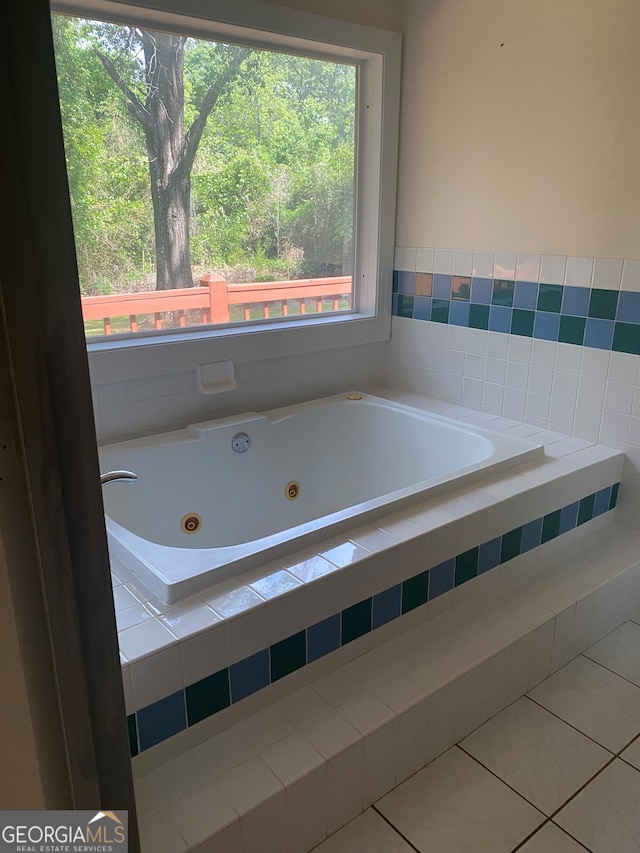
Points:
x=296, y=771
x=212, y=677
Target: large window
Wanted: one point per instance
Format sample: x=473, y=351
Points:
x=227, y=181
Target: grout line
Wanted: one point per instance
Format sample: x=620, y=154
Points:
x=387, y=821
x=566, y=722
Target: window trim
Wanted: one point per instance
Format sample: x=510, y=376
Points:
x=377, y=53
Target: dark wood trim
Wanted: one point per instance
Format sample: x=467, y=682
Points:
x=40, y=303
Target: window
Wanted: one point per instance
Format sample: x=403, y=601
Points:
x=232, y=182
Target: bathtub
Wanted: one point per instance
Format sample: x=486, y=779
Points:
x=227, y=495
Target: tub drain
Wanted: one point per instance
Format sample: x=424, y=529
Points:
x=191, y=522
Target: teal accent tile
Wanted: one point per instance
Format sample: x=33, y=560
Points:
x=478, y=316
x=550, y=526
x=614, y=495
x=522, y=322
x=440, y=310
x=356, y=621
x=603, y=303
x=466, y=566
x=585, y=509
x=502, y=292
x=132, y=730
x=207, y=696
x=550, y=297
x=394, y=286
x=405, y=305
x=288, y=655
x=510, y=544
x=571, y=330
x=415, y=591
x=626, y=338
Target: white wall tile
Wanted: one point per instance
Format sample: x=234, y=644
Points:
x=425, y=260
x=565, y=385
x=483, y=264
x=443, y=261
x=404, y=259
x=607, y=273
x=552, y=269
x=623, y=367
x=505, y=265
x=528, y=267
x=578, y=272
x=543, y=353
x=595, y=362
x=631, y=276
x=156, y=676
x=462, y=262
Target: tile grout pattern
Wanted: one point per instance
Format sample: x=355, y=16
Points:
x=410, y=817
x=166, y=717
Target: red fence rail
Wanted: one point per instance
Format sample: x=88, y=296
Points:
x=213, y=299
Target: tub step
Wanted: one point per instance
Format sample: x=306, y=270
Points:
x=294, y=772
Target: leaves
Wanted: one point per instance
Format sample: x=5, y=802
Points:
x=272, y=179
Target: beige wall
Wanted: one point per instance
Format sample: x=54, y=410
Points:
x=385, y=14
x=520, y=126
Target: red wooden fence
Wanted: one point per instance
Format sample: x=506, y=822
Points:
x=213, y=298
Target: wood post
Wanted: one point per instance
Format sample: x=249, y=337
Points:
x=218, y=298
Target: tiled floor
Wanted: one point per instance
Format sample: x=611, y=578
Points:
x=556, y=772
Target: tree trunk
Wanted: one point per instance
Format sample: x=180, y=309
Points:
x=171, y=209
x=170, y=181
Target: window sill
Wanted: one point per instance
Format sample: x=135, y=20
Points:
x=140, y=356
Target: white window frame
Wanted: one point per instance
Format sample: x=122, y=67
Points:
x=377, y=55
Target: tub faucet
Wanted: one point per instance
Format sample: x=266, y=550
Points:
x=118, y=477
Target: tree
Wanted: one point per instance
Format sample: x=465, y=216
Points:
x=171, y=151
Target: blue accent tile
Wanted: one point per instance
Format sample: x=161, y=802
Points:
x=442, y=286
x=502, y=292
x=441, y=578
x=489, y=555
x=421, y=307
x=161, y=720
x=386, y=605
x=598, y=333
x=499, y=319
x=531, y=535
x=601, y=503
x=323, y=637
x=525, y=294
x=249, y=675
x=356, y=621
x=568, y=517
x=546, y=326
x=629, y=307
x=459, y=314
x=481, y=290
x=550, y=297
x=575, y=301
x=406, y=282
x=440, y=310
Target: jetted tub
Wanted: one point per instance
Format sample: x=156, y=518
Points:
x=229, y=494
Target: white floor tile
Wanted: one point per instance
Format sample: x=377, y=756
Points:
x=537, y=754
x=605, y=816
x=368, y=833
x=620, y=651
x=594, y=700
x=455, y=806
x=550, y=839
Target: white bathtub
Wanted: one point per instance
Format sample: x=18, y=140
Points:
x=351, y=459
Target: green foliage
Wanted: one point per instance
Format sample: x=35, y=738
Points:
x=273, y=180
